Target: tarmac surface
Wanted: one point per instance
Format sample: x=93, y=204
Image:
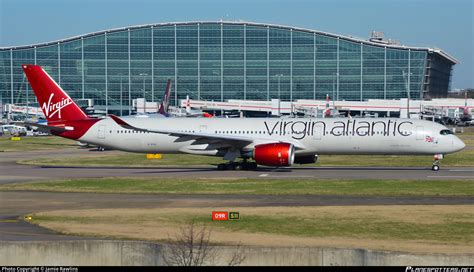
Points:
x=11, y=172
x=14, y=205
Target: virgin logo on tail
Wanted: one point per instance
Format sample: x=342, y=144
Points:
x=51, y=109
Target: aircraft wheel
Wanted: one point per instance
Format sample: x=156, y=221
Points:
x=233, y=166
x=252, y=166
x=435, y=167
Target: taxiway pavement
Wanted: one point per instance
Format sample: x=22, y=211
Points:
x=11, y=172
x=14, y=205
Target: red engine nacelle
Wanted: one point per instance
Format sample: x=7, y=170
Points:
x=276, y=154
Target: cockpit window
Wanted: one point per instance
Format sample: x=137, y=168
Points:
x=445, y=132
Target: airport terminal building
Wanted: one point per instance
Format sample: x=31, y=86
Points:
x=218, y=61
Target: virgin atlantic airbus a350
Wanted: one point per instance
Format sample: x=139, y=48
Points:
x=278, y=142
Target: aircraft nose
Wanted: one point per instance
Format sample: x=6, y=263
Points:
x=458, y=144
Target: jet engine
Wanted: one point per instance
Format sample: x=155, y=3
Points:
x=275, y=154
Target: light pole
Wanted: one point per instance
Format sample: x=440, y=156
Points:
x=144, y=94
x=121, y=103
x=27, y=109
x=176, y=90
x=407, y=88
x=27, y=104
x=279, y=76
x=129, y=96
x=333, y=86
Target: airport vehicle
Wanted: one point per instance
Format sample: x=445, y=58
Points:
x=278, y=142
x=14, y=130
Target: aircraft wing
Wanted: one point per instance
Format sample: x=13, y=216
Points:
x=235, y=140
x=45, y=128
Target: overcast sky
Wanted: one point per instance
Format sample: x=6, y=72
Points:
x=444, y=24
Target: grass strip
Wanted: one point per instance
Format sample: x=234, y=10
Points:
x=30, y=143
x=446, y=224
x=262, y=186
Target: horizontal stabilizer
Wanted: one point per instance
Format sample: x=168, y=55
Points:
x=46, y=128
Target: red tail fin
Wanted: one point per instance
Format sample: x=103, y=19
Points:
x=55, y=103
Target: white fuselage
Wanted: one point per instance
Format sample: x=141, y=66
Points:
x=310, y=135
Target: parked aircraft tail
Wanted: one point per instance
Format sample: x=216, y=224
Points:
x=166, y=99
x=327, y=110
x=188, y=105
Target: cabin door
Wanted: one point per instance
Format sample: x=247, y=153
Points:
x=420, y=133
x=101, y=132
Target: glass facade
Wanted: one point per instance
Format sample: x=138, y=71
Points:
x=217, y=61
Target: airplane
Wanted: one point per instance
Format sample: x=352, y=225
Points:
x=327, y=110
x=163, y=111
x=275, y=142
x=190, y=112
x=177, y=112
x=194, y=113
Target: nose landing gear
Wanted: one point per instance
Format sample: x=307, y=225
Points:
x=436, y=159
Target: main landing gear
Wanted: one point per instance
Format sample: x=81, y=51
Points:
x=436, y=160
x=237, y=166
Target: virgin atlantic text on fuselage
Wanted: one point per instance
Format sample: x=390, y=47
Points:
x=300, y=129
